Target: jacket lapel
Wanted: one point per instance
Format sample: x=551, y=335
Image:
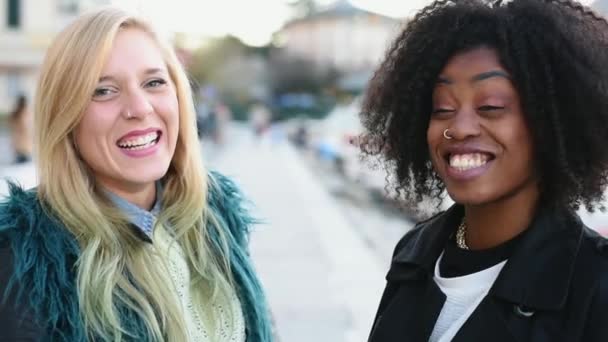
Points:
x=425, y=299
x=539, y=273
x=487, y=323
x=412, y=301
x=535, y=279
x=427, y=241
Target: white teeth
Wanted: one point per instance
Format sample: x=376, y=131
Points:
x=463, y=162
x=140, y=142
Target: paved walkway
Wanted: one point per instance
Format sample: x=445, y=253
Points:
x=323, y=281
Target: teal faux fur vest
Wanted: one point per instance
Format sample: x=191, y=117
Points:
x=44, y=254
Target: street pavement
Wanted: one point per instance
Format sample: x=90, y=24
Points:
x=323, y=281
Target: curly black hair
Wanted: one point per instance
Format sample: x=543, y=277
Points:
x=557, y=54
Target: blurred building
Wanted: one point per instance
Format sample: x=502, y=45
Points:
x=26, y=30
x=341, y=36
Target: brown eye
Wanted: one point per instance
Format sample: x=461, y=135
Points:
x=490, y=108
x=440, y=111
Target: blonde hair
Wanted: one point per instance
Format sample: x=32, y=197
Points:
x=115, y=270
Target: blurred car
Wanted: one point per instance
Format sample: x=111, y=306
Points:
x=331, y=138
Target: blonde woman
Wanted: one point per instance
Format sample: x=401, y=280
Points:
x=126, y=237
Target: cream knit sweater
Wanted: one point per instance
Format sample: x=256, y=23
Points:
x=228, y=314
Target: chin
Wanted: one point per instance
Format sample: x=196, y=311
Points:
x=146, y=175
x=472, y=198
x=470, y=201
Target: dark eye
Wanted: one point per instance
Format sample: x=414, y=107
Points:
x=156, y=83
x=442, y=110
x=489, y=108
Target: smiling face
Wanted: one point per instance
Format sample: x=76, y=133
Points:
x=129, y=130
x=488, y=153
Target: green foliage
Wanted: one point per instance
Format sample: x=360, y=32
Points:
x=292, y=74
x=242, y=75
x=209, y=59
x=303, y=8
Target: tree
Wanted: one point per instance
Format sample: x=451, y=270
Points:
x=235, y=73
x=299, y=86
x=303, y=8
x=209, y=59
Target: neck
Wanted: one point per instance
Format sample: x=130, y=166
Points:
x=491, y=224
x=142, y=195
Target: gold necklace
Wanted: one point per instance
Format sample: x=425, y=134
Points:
x=461, y=241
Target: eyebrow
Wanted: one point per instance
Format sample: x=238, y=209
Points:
x=490, y=74
x=149, y=71
x=478, y=77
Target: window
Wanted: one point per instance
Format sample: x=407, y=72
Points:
x=14, y=13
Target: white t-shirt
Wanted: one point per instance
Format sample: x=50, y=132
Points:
x=463, y=295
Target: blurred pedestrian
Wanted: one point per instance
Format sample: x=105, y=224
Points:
x=20, y=124
x=126, y=237
x=302, y=136
x=504, y=105
x=223, y=115
x=259, y=118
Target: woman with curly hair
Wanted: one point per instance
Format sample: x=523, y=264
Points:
x=127, y=237
x=504, y=106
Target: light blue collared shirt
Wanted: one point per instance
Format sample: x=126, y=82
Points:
x=142, y=219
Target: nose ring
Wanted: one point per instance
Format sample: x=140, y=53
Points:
x=447, y=135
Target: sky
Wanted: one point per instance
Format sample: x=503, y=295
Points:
x=253, y=21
